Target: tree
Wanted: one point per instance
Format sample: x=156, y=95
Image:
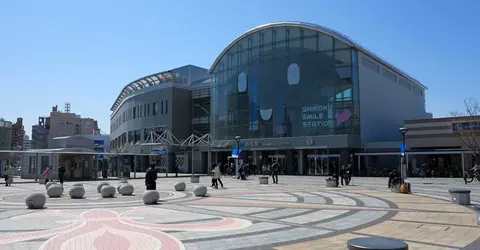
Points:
x=115, y=154
x=467, y=126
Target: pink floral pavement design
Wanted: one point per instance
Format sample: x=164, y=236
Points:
x=105, y=229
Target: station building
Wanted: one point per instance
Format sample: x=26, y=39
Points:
x=301, y=94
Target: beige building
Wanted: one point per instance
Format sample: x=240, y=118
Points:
x=68, y=124
x=439, y=133
x=435, y=147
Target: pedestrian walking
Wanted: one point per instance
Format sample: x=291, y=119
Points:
x=348, y=174
x=61, y=173
x=218, y=176
x=47, y=173
x=151, y=178
x=275, y=169
x=6, y=174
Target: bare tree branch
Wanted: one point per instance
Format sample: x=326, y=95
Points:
x=467, y=126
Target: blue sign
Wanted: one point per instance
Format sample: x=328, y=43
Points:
x=236, y=152
x=159, y=151
x=100, y=156
x=403, y=147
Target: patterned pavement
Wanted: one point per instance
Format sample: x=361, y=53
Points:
x=299, y=213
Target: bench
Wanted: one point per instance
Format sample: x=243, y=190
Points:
x=460, y=196
x=376, y=243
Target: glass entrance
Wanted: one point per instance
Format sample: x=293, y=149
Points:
x=321, y=164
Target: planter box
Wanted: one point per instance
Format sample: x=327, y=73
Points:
x=195, y=179
x=331, y=182
x=460, y=196
x=263, y=180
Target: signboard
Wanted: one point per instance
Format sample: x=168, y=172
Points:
x=236, y=152
x=316, y=116
x=159, y=151
x=466, y=126
x=100, y=156
x=403, y=147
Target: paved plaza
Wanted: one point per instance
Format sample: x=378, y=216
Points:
x=298, y=213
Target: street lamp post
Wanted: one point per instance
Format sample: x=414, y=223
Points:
x=237, y=163
x=403, y=165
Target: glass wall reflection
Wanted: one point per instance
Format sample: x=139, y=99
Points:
x=286, y=82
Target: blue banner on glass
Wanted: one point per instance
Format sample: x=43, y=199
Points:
x=236, y=152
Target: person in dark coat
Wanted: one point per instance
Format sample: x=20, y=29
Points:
x=275, y=169
x=61, y=173
x=151, y=177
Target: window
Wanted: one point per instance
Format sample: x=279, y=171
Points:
x=405, y=83
x=137, y=136
x=154, y=108
x=144, y=110
x=371, y=65
x=310, y=43
x=325, y=42
x=161, y=107
x=343, y=57
x=166, y=106
x=148, y=109
x=389, y=75
x=130, y=137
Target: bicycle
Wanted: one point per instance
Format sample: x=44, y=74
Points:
x=470, y=175
x=395, y=183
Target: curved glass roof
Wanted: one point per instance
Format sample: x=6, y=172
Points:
x=144, y=82
x=321, y=29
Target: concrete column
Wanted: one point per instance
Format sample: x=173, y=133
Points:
x=255, y=158
x=359, y=162
x=300, y=161
x=290, y=169
x=209, y=161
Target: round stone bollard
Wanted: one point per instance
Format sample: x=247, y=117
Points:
x=151, y=197
x=76, y=192
x=108, y=191
x=126, y=189
x=200, y=191
x=180, y=186
x=99, y=186
x=49, y=184
x=10, y=181
x=35, y=201
x=55, y=191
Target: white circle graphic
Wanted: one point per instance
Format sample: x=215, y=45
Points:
x=242, y=82
x=293, y=74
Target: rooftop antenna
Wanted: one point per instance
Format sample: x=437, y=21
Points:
x=67, y=107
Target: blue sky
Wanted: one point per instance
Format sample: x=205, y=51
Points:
x=84, y=52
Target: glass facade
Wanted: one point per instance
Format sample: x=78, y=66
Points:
x=285, y=81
